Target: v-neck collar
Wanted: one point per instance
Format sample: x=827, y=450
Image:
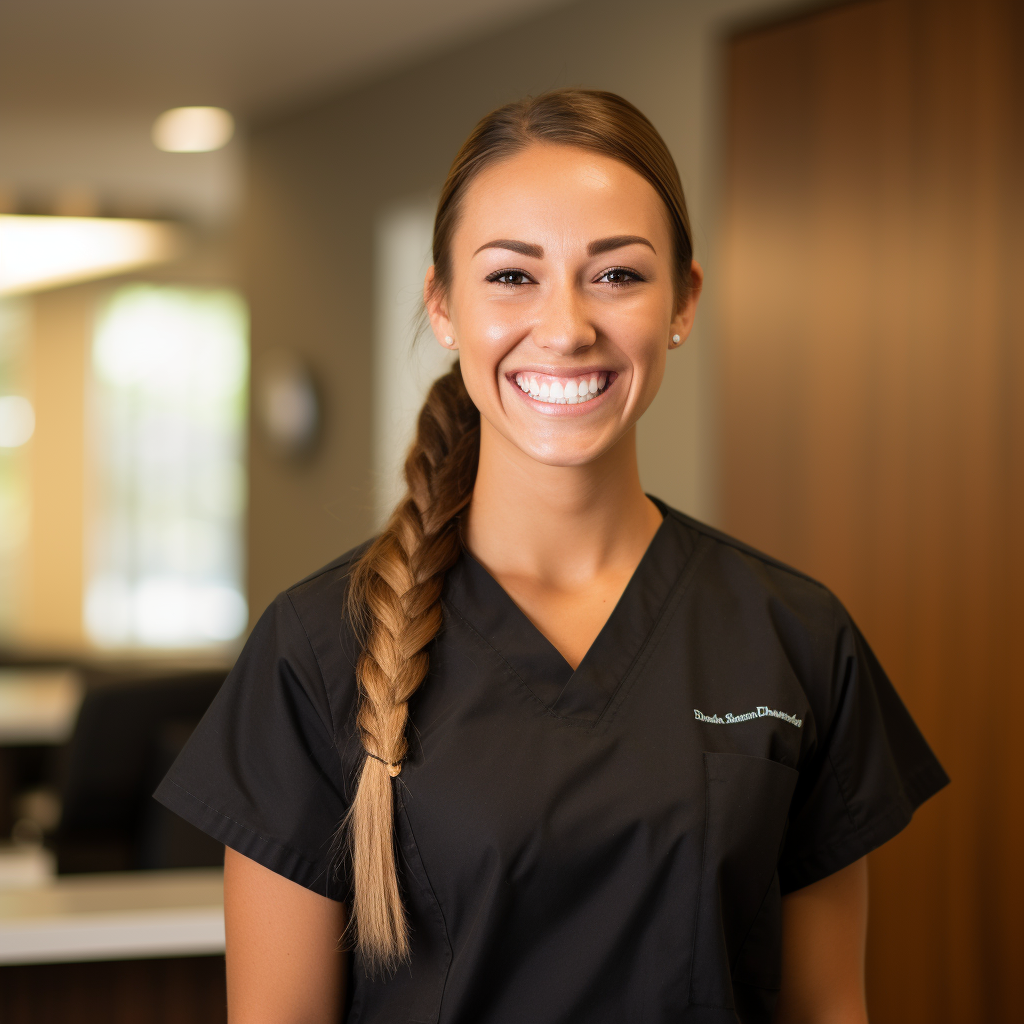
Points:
x=584, y=694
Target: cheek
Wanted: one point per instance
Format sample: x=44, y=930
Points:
x=655, y=370
x=478, y=375
x=487, y=334
x=481, y=350
x=642, y=315
x=649, y=370
x=472, y=318
x=493, y=323
x=641, y=334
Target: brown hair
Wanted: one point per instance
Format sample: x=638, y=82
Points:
x=395, y=588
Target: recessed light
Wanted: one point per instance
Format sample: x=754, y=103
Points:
x=193, y=129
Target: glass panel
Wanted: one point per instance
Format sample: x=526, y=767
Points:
x=168, y=424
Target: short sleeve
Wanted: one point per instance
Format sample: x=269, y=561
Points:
x=262, y=773
x=869, y=771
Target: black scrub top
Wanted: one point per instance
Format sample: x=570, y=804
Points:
x=605, y=845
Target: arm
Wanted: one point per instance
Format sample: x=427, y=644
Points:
x=283, y=963
x=824, y=931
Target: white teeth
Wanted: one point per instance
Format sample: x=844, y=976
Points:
x=572, y=392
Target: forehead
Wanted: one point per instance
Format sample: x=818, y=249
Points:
x=553, y=190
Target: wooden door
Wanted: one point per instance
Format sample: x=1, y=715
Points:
x=873, y=426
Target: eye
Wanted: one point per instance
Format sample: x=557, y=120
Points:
x=510, y=278
x=618, y=276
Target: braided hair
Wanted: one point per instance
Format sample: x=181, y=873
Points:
x=395, y=597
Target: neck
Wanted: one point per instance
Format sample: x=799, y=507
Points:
x=558, y=524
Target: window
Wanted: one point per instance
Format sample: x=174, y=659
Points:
x=167, y=410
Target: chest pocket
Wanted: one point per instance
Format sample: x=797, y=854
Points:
x=738, y=937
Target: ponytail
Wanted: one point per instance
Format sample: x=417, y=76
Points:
x=395, y=602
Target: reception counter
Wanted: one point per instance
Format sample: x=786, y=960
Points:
x=126, y=948
x=124, y=916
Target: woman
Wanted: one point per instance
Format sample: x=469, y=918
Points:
x=594, y=761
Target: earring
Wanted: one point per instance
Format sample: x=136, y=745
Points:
x=449, y=340
x=675, y=339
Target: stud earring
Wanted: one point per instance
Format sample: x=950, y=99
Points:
x=675, y=339
x=448, y=340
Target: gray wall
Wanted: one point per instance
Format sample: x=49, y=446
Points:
x=319, y=176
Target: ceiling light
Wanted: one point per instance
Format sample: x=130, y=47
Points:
x=193, y=129
x=45, y=252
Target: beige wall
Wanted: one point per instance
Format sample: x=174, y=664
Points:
x=50, y=612
x=319, y=176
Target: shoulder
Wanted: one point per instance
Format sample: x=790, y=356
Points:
x=738, y=552
x=321, y=595
x=750, y=579
x=307, y=633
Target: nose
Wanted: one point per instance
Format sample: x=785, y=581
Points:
x=562, y=325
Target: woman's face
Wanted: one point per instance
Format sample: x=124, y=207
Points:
x=561, y=300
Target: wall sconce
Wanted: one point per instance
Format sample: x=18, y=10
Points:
x=287, y=403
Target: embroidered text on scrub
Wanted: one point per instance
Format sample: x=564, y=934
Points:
x=761, y=712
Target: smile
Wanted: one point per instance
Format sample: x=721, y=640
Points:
x=543, y=387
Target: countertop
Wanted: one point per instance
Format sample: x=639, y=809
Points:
x=122, y=916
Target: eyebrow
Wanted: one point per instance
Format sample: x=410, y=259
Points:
x=523, y=248
x=617, y=242
x=594, y=249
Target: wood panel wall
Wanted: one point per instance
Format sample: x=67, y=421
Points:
x=872, y=369
x=189, y=990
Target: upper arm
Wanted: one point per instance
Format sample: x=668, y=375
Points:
x=263, y=772
x=283, y=960
x=824, y=932
x=867, y=770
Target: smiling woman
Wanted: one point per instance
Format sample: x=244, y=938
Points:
x=537, y=824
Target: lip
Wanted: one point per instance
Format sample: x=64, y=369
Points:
x=553, y=409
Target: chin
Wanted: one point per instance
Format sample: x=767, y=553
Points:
x=564, y=454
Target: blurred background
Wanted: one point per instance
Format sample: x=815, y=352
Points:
x=214, y=223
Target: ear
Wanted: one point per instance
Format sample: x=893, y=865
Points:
x=437, y=311
x=682, y=322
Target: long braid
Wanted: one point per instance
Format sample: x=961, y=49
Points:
x=395, y=599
